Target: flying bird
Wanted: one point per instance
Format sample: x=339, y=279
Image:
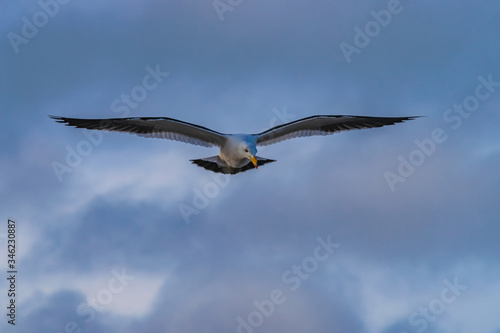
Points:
x=237, y=151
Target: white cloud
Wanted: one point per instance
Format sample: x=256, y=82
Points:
x=135, y=296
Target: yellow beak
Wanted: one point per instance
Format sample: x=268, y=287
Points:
x=254, y=161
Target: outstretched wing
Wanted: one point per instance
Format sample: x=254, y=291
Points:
x=323, y=125
x=153, y=127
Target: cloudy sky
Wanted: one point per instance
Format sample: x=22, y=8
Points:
x=381, y=231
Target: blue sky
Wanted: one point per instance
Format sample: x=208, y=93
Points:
x=380, y=231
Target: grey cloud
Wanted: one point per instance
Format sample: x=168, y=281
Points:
x=229, y=76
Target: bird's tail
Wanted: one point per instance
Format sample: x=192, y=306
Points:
x=215, y=164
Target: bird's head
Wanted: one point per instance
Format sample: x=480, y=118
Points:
x=248, y=151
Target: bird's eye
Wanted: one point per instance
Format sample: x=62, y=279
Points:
x=246, y=150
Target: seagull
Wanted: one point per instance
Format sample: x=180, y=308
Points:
x=237, y=151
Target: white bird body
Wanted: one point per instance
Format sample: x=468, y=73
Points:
x=237, y=151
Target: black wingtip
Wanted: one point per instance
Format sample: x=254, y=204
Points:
x=401, y=119
x=57, y=118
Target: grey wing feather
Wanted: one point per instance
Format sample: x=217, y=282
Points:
x=323, y=125
x=153, y=127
